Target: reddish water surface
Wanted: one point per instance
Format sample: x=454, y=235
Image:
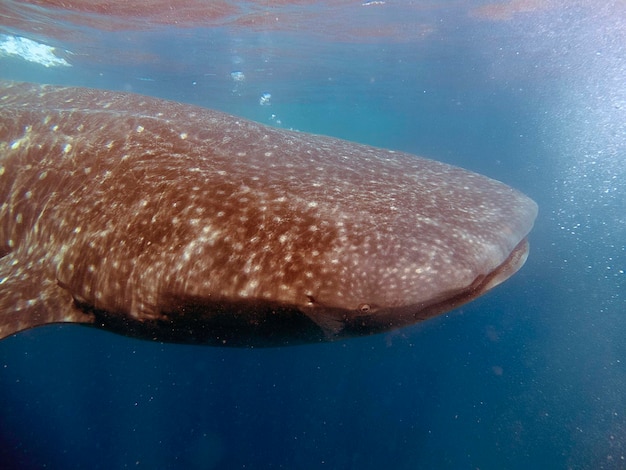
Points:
x=344, y=20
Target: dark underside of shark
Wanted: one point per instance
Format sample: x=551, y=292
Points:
x=165, y=221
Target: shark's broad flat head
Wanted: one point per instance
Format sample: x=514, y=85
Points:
x=161, y=220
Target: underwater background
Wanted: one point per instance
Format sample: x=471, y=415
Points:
x=531, y=375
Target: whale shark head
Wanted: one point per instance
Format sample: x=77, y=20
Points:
x=170, y=222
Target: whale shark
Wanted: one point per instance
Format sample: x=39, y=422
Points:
x=174, y=223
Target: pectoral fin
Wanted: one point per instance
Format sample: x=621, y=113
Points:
x=30, y=296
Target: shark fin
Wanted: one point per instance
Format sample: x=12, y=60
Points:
x=30, y=296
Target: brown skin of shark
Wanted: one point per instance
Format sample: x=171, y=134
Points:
x=169, y=222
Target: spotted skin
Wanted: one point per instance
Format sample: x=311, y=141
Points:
x=166, y=221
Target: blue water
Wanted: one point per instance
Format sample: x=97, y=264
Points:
x=532, y=375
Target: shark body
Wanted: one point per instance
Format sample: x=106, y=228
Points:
x=170, y=222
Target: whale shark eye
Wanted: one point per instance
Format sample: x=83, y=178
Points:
x=364, y=308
